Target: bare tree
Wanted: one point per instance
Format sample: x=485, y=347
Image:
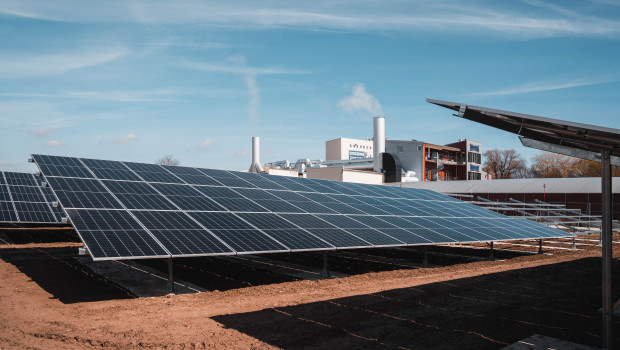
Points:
x=504, y=164
x=548, y=165
x=168, y=160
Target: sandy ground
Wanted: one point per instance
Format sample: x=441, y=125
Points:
x=49, y=301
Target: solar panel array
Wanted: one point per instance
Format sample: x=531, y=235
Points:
x=124, y=210
x=24, y=200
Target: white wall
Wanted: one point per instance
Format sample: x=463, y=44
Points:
x=338, y=149
x=343, y=174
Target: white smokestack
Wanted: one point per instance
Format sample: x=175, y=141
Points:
x=256, y=167
x=378, y=142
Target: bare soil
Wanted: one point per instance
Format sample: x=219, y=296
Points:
x=50, y=301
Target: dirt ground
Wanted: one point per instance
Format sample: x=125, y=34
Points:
x=49, y=301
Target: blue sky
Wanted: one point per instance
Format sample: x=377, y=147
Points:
x=136, y=80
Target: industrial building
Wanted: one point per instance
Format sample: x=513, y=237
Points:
x=359, y=160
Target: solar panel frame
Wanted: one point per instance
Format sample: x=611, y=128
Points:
x=379, y=216
x=23, y=193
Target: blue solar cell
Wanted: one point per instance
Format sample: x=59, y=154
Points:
x=249, y=241
x=20, y=179
x=7, y=212
x=105, y=169
x=225, y=221
x=193, y=211
x=138, y=195
x=298, y=239
x=113, y=234
x=338, y=237
x=82, y=193
x=153, y=173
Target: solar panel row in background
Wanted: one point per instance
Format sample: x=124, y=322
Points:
x=134, y=210
x=24, y=200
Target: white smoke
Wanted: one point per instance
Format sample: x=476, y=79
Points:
x=360, y=100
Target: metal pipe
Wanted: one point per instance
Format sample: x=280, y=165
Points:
x=378, y=142
x=256, y=167
x=325, y=271
x=606, y=253
x=540, y=250
x=170, y=277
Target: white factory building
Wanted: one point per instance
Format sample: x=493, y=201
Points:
x=360, y=160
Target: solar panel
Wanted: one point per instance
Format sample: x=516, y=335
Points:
x=24, y=200
x=135, y=210
x=180, y=234
x=115, y=234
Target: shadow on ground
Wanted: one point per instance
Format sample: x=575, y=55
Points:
x=485, y=312
x=54, y=270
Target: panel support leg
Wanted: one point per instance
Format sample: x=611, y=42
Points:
x=540, y=250
x=606, y=253
x=574, y=244
x=325, y=271
x=425, y=258
x=491, y=252
x=170, y=277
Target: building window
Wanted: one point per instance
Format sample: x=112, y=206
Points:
x=419, y=148
x=475, y=158
x=400, y=149
x=473, y=176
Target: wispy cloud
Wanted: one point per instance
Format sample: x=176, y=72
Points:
x=252, y=86
x=120, y=140
x=6, y=163
x=539, y=87
x=241, y=153
x=40, y=132
x=124, y=96
x=207, y=143
x=237, y=68
x=360, y=100
x=53, y=143
x=20, y=66
x=499, y=17
x=125, y=139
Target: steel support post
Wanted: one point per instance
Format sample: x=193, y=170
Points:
x=170, y=277
x=606, y=253
x=491, y=252
x=425, y=257
x=325, y=271
x=540, y=250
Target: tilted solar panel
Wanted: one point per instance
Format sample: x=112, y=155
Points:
x=24, y=200
x=134, y=210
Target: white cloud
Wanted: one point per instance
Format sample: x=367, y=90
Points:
x=124, y=140
x=40, y=132
x=254, y=94
x=482, y=17
x=539, y=87
x=18, y=66
x=360, y=100
x=6, y=163
x=207, y=143
x=241, y=153
x=239, y=67
x=121, y=140
x=250, y=75
x=54, y=143
x=123, y=96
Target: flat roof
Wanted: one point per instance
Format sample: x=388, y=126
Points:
x=535, y=185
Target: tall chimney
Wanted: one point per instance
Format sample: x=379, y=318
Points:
x=256, y=167
x=378, y=142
